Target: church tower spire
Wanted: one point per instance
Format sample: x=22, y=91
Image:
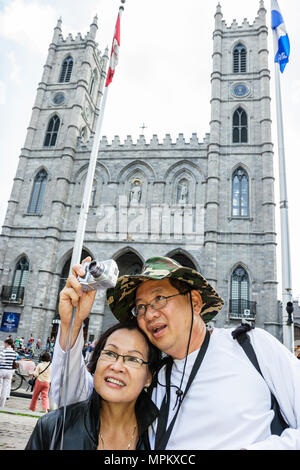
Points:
x=218, y=10
x=261, y=11
x=94, y=28
x=57, y=31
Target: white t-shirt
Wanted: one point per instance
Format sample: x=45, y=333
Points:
x=228, y=405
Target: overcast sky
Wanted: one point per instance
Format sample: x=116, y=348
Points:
x=162, y=79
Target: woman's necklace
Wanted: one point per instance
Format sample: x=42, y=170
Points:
x=129, y=443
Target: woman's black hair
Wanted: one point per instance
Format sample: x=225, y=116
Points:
x=45, y=357
x=154, y=354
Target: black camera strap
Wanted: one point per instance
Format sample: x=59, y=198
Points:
x=162, y=433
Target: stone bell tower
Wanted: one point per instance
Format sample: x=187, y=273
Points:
x=241, y=238
x=65, y=110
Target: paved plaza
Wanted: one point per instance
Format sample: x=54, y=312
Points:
x=17, y=422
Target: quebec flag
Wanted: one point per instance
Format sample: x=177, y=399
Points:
x=282, y=42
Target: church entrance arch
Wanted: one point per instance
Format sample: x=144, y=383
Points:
x=182, y=259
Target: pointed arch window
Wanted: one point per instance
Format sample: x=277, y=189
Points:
x=66, y=70
x=38, y=191
x=240, y=193
x=93, y=82
x=20, y=275
x=239, y=291
x=239, y=59
x=240, y=126
x=52, y=131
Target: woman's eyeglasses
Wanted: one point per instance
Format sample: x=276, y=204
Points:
x=131, y=361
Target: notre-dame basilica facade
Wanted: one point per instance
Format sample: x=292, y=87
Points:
x=208, y=204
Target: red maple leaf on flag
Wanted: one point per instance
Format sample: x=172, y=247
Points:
x=114, y=56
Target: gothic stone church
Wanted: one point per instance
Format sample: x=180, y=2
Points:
x=208, y=204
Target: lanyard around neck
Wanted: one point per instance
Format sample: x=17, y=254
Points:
x=162, y=433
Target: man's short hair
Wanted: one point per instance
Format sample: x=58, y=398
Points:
x=9, y=341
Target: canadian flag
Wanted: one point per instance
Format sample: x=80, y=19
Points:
x=114, y=56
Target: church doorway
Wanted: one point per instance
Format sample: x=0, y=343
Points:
x=128, y=263
x=182, y=259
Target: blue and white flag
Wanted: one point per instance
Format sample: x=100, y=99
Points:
x=283, y=42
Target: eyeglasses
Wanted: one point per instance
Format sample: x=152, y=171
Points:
x=131, y=361
x=160, y=301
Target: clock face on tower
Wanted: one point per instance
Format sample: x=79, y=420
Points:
x=58, y=99
x=239, y=90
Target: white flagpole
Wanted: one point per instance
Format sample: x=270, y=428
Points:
x=84, y=210
x=287, y=301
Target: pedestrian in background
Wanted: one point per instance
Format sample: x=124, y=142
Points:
x=89, y=352
x=52, y=342
x=7, y=358
x=42, y=383
x=17, y=342
x=84, y=349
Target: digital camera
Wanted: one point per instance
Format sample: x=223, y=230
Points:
x=99, y=275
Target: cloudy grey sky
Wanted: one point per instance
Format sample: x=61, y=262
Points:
x=162, y=79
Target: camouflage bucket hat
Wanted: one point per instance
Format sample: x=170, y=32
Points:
x=121, y=298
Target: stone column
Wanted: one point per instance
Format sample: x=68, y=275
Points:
x=212, y=195
x=269, y=278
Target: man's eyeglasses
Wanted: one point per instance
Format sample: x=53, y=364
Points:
x=160, y=301
x=131, y=361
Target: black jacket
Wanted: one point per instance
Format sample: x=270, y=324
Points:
x=82, y=424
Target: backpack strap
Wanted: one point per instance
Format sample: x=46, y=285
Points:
x=240, y=334
x=278, y=424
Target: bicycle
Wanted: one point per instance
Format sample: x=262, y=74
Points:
x=17, y=380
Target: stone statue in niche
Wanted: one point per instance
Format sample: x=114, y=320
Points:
x=83, y=134
x=135, y=192
x=182, y=192
x=93, y=195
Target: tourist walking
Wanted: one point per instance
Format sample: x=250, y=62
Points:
x=7, y=358
x=42, y=383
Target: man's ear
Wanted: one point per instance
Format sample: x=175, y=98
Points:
x=197, y=301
